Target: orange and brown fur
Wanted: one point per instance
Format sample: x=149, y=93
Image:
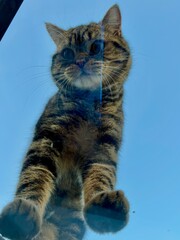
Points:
x=69, y=172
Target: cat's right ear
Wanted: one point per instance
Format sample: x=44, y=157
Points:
x=57, y=34
x=113, y=19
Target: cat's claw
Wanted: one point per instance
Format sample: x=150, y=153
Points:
x=107, y=212
x=20, y=220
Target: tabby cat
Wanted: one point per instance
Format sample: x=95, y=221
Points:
x=69, y=171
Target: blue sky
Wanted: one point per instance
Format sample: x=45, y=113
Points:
x=149, y=160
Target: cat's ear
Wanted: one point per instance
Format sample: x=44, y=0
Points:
x=113, y=19
x=57, y=34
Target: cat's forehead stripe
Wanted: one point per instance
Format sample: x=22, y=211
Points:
x=78, y=36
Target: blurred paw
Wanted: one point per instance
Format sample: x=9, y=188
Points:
x=20, y=220
x=107, y=212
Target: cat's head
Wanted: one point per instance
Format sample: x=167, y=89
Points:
x=90, y=55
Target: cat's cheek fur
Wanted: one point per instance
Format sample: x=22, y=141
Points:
x=20, y=219
x=107, y=212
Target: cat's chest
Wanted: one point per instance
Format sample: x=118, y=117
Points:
x=84, y=129
x=83, y=110
x=85, y=136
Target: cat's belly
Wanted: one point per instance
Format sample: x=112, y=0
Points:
x=83, y=139
x=79, y=145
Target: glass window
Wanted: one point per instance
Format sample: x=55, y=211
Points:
x=148, y=160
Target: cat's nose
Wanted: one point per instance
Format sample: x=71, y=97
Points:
x=81, y=62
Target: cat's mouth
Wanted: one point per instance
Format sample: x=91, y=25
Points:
x=84, y=74
x=87, y=80
x=85, y=71
x=84, y=77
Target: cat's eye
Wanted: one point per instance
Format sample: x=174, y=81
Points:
x=68, y=54
x=96, y=47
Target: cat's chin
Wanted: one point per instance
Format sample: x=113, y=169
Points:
x=88, y=82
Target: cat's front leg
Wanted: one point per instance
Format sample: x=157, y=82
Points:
x=22, y=218
x=106, y=210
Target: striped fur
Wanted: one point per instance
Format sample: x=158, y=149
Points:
x=69, y=171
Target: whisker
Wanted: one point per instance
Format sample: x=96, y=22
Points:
x=111, y=67
x=112, y=79
x=108, y=85
x=115, y=74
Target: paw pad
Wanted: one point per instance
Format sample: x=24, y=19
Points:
x=20, y=220
x=107, y=212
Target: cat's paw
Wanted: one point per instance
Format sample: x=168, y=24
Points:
x=107, y=212
x=20, y=220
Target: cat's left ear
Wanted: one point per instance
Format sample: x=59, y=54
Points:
x=113, y=19
x=57, y=34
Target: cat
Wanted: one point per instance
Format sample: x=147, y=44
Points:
x=69, y=171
